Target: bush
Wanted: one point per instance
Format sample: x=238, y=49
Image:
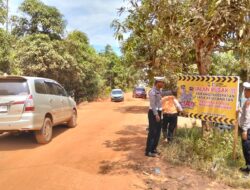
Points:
x=211, y=155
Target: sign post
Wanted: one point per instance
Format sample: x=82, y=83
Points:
x=236, y=132
x=211, y=98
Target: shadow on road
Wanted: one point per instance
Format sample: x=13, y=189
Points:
x=133, y=109
x=132, y=143
x=132, y=130
x=26, y=140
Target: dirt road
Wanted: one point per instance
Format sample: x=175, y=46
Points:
x=104, y=152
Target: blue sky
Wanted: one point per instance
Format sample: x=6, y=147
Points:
x=90, y=16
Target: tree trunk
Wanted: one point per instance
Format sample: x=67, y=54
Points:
x=203, y=60
x=203, y=56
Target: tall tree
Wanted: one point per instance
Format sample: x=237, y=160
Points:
x=3, y=12
x=119, y=73
x=176, y=31
x=39, y=18
x=91, y=83
x=38, y=55
x=5, y=51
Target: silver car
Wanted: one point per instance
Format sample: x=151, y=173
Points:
x=117, y=95
x=34, y=104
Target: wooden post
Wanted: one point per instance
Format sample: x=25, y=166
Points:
x=236, y=131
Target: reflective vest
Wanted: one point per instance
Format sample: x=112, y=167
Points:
x=168, y=105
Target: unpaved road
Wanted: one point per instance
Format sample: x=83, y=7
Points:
x=104, y=152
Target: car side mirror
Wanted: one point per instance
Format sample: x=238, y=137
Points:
x=71, y=94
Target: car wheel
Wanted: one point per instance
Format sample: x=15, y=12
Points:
x=73, y=121
x=44, y=135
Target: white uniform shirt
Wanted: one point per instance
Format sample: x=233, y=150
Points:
x=155, y=100
x=245, y=116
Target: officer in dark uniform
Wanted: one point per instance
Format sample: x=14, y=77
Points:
x=245, y=126
x=154, y=117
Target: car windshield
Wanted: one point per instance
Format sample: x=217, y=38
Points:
x=117, y=92
x=140, y=89
x=13, y=87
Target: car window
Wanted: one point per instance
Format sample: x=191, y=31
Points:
x=40, y=87
x=9, y=87
x=60, y=90
x=140, y=89
x=51, y=88
x=116, y=92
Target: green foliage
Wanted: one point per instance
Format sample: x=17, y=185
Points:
x=225, y=64
x=91, y=64
x=212, y=154
x=39, y=18
x=119, y=73
x=38, y=55
x=173, y=35
x=35, y=48
x=3, y=11
x=5, y=48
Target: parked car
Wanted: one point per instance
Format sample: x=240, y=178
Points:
x=139, y=92
x=34, y=104
x=117, y=95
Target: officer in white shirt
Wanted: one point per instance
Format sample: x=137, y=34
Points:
x=154, y=117
x=245, y=126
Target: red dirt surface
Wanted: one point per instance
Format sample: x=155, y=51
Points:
x=104, y=152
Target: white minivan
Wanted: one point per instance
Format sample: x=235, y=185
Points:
x=34, y=104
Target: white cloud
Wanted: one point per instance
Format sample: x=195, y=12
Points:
x=90, y=16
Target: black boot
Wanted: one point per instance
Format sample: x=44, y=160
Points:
x=149, y=154
x=245, y=170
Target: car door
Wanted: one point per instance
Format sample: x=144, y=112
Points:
x=42, y=100
x=66, y=108
x=54, y=101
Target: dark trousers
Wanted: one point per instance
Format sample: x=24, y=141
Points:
x=154, y=132
x=169, y=125
x=246, y=149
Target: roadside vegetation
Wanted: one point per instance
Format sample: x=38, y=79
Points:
x=211, y=155
x=35, y=43
x=191, y=37
x=169, y=38
x=174, y=37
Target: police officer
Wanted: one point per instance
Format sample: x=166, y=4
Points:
x=245, y=126
x=154, y=117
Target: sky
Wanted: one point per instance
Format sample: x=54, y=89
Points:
x=93, y=17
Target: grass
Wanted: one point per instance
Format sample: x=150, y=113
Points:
x=211, y=155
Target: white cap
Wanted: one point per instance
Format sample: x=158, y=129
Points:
x=246, y=85
x=160, y=79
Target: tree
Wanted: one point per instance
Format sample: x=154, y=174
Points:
x=171, y=32
x=225, y=64
x=38, y=55
x=3, y=12
x=38, y=18
x=91, y=83
x=119, y=73
x=5, y=51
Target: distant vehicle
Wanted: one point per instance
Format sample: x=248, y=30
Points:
x=34, y=104
x=139, y=92
x=117, y=95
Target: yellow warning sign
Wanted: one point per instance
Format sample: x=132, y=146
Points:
x=209, y=98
